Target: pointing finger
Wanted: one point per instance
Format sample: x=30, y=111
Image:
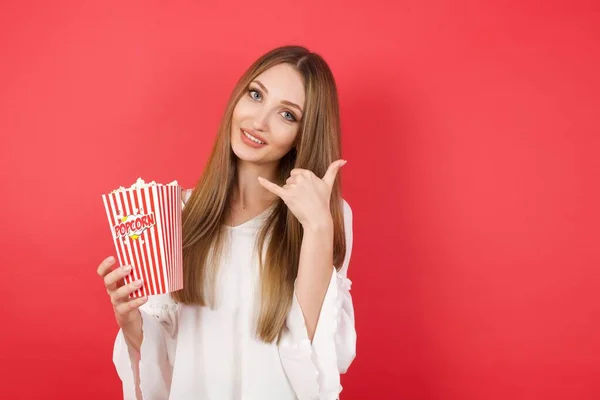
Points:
x=271, y=187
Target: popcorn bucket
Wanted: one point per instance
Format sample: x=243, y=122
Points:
x=145, y=222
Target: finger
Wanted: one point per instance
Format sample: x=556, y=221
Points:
x=105, y=266
x=332, y=171
x=128, y=306
x=299, y=171
x=123, y=292
x=271, y=187
x=110, y=280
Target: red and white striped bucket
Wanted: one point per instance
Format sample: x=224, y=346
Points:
x=146, y=228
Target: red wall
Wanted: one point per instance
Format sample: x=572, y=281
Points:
x=472, y=134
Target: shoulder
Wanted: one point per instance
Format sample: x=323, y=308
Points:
x=346, y=207
x=347, y=210
x=185, y=195
x=348, y=223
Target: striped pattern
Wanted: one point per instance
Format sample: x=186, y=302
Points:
x=156, y=254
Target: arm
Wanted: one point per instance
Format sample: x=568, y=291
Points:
x=148, y=369
x=314, y=271
x=314, y=368
x=145, y=351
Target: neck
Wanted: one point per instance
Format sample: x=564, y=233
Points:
x=248, y=193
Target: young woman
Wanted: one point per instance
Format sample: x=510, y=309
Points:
x=265, y=312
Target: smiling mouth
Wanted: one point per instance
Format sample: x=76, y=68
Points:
x=255, y=140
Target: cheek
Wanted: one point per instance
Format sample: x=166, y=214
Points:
x=237, y=112
x=239, y=115
x=285, y=137
x=242, y=110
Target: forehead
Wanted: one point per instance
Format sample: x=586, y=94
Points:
x=283, y=83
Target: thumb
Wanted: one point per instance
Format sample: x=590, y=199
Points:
x=332, y=171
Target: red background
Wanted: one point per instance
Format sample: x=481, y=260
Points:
x=471, y=130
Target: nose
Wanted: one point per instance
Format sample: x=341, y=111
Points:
x=260, y=120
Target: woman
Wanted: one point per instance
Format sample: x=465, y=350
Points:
x=265, y=312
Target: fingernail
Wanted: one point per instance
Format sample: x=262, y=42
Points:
x=344, y=163
x=144, y=299
x=111, y=259
x=138, y=283
x=127, y=268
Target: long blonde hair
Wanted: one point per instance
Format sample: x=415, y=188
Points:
x=318, y=145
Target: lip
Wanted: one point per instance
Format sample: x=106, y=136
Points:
x=256, y=135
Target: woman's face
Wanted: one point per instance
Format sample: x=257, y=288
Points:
x=270, y=112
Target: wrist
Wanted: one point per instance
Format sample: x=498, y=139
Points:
x=320, y=225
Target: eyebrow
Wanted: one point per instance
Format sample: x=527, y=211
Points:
x=289, y=103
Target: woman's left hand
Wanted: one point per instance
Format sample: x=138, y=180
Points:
x=306, y=195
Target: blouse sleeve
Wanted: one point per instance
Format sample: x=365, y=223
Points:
x=148, y=374
x=314, y=369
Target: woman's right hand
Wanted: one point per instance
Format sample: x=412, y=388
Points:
x=126, y=310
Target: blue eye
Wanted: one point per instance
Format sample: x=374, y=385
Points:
x=290, y=116
x=252, y=92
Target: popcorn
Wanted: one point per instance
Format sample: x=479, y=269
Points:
x=145, y=221
x=139, y=184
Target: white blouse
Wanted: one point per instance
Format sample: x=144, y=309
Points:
x=193, y=352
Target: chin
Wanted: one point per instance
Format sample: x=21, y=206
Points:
x=245, y=153
x=245, y=157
